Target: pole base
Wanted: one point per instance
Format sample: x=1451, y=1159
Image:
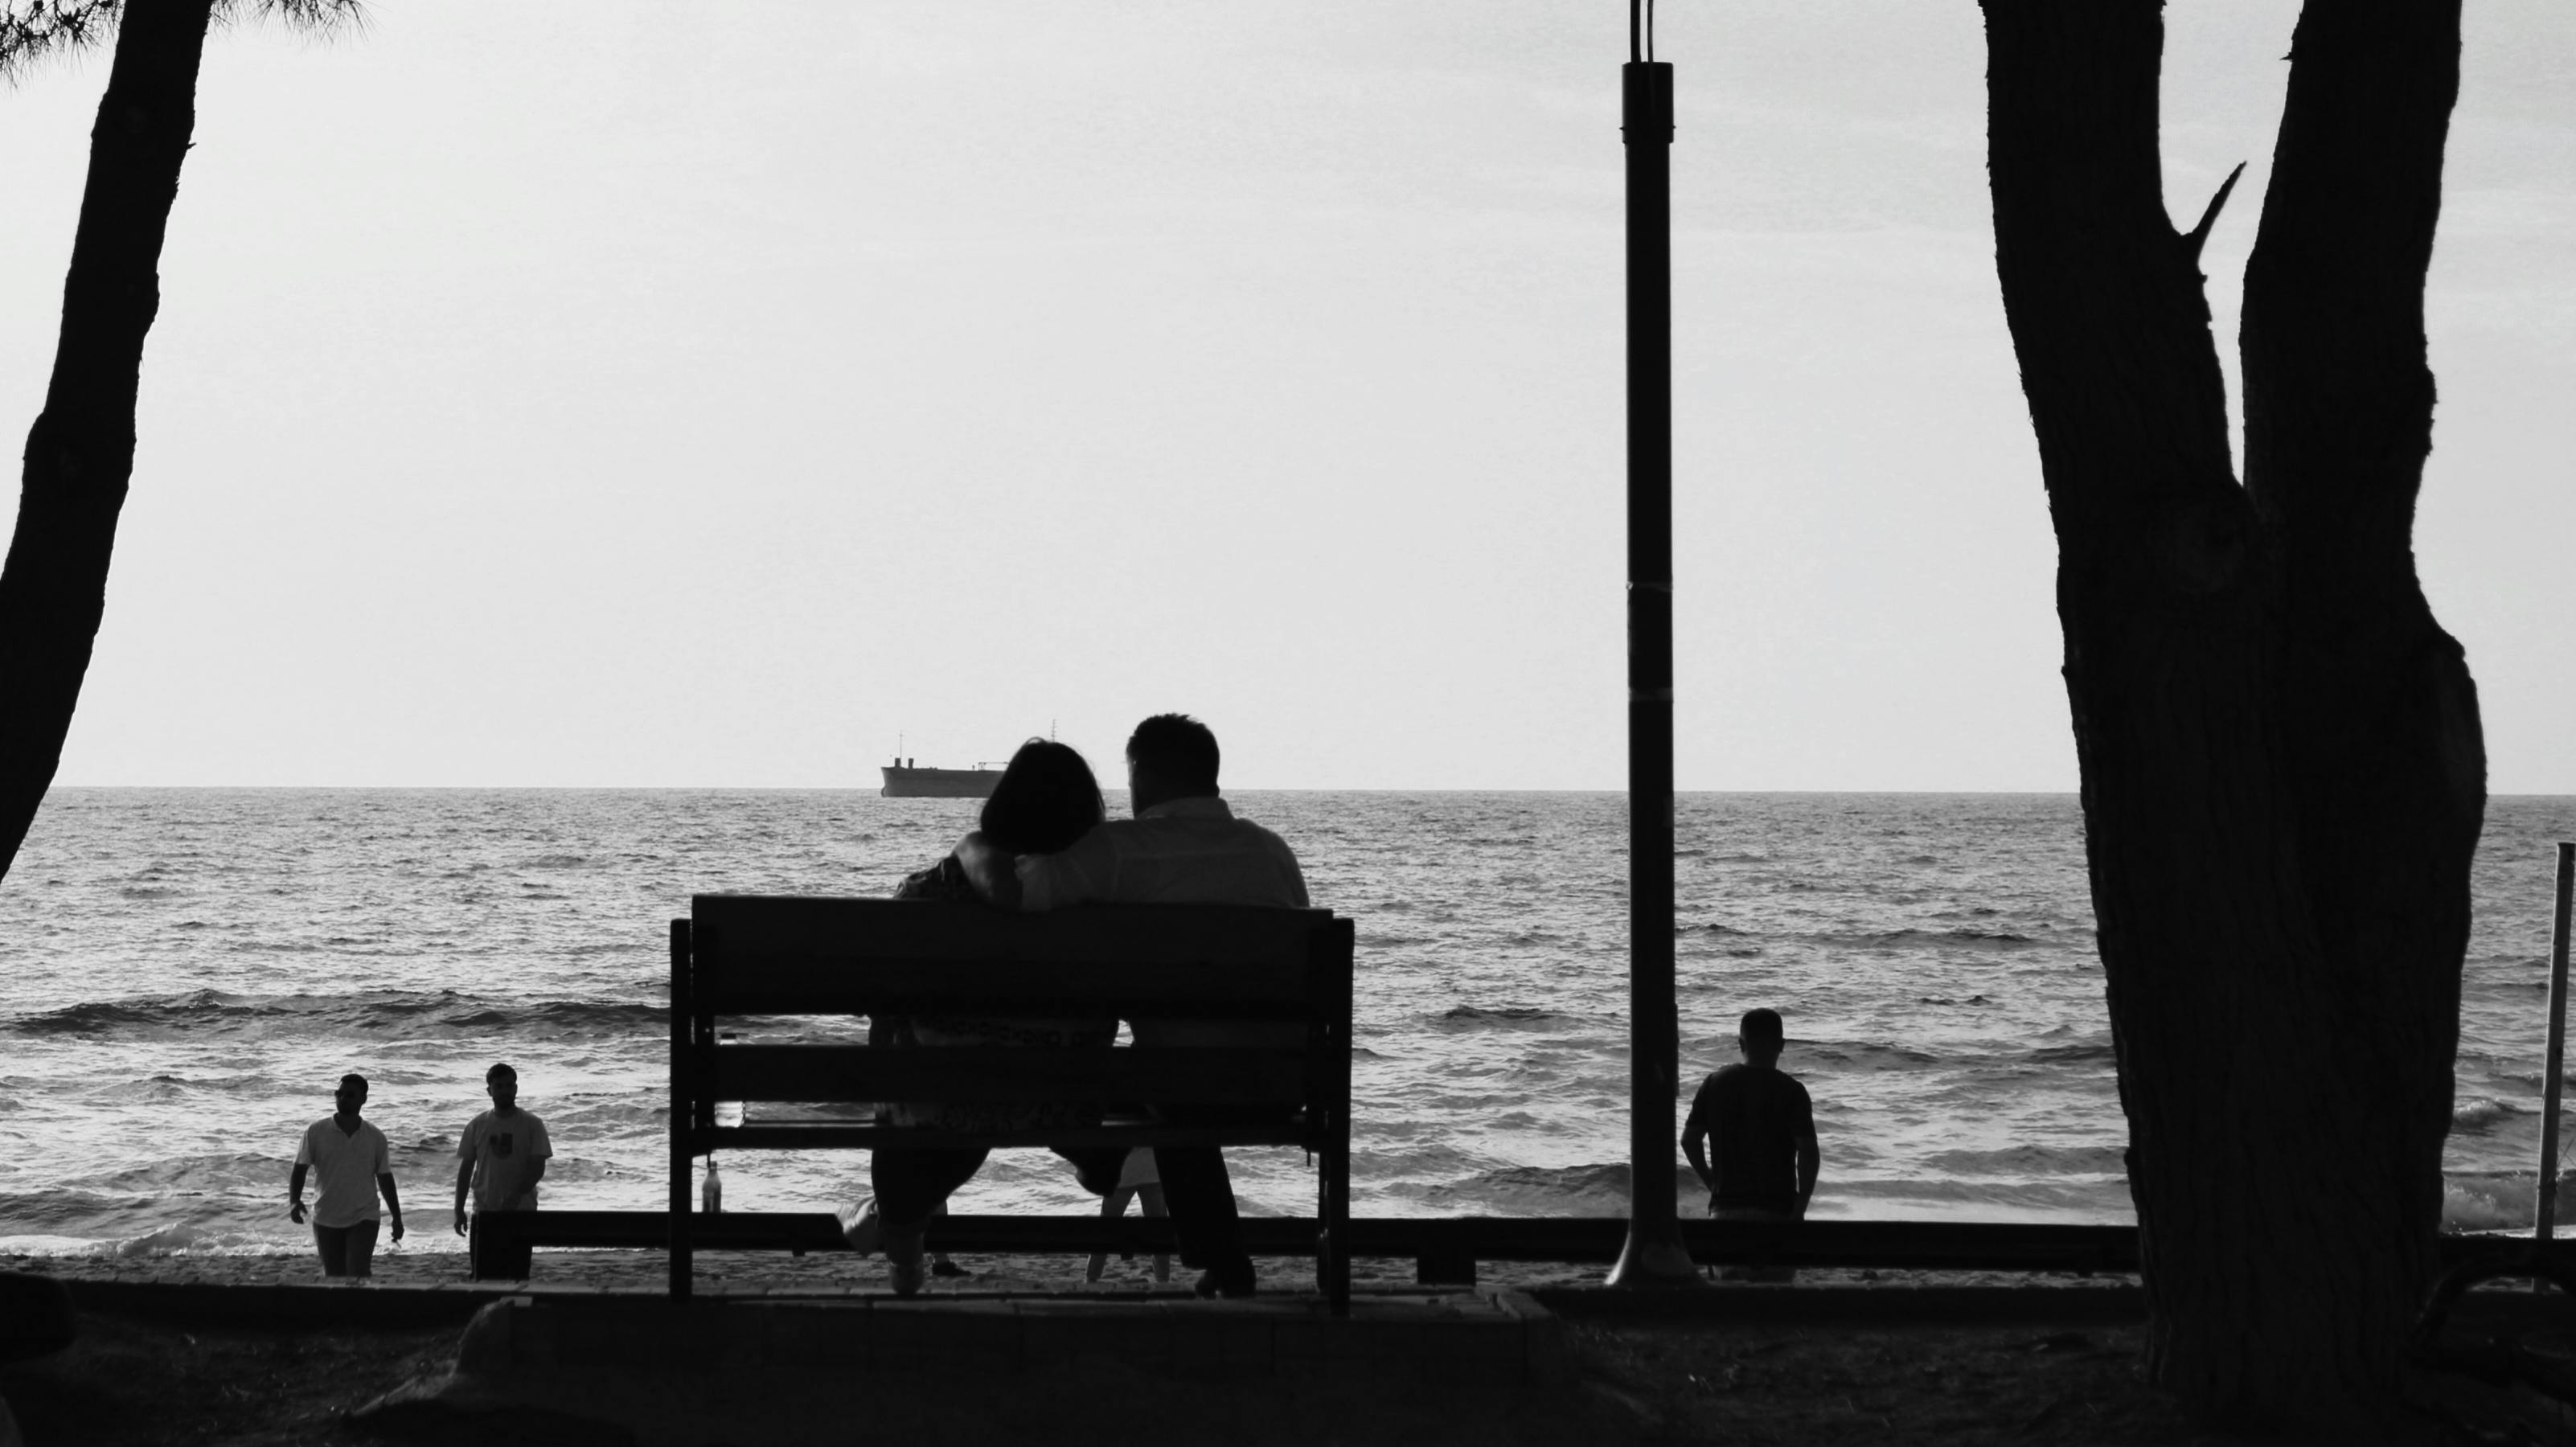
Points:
x=1654, y=1259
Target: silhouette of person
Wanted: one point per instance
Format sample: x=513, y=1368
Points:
x=500, y=1158
x=1761, y=1129
x=351, y=1164
x=1184, y=846
x=1137, y=1181
x=1046, y=800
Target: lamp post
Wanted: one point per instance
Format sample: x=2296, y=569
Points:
x=1654, y=1254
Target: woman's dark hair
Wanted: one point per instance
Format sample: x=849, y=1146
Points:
x=1046, y=799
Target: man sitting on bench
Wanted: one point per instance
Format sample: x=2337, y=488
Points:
x=1183, y=847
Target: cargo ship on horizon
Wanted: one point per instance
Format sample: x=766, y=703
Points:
x=905, y=781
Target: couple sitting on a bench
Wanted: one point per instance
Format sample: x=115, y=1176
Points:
x=1046, y=843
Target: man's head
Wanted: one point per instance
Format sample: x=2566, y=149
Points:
x=1760, y=1037
x=502, y=1084
x=351, y=1097
x=1170, y=756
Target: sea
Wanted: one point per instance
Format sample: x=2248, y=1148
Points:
x=186, y=973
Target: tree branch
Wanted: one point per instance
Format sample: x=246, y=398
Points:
x=31, y=30
x=2192, y=243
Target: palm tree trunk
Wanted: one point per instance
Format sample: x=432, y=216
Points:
x=80, y=453
x=2282, y=768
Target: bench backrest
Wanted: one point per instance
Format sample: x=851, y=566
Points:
x=1156, y=965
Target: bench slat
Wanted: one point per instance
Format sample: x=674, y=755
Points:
x=978, y=1075
x=1236, y=937
x=855, y=1136
x=733, y=983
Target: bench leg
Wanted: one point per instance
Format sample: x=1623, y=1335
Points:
x=683, y=1264
x=683, y=1109
x=1333, y=1250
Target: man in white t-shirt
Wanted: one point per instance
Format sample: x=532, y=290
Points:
x=350, y=1161
x=500, y=1159
x=1183, y=847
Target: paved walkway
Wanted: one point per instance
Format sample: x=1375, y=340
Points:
x=808, y=1368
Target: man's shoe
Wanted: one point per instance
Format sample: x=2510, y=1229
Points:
x=862, y=1227
x=1232, y=1284
x=942, y=1266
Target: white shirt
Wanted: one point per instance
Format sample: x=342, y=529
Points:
x=504, y=1151
x=1181, y=851
x=345, y=1168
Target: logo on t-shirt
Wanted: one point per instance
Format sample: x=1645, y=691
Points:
x=500, y=1145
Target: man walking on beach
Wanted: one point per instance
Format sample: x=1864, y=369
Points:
x=1764, y=1162
x=351, y=1163
x=500, y=1159
x=1183, y=847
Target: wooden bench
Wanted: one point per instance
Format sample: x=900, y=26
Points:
x=741, y=957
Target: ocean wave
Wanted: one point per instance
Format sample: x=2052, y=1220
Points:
x=2480, y=1112
x=1505, y=1016
x=154, y=1088
x=209, y=1174
x=1931, y=939
x=1575, y=1190
x=2090, y=1052
x=80, y=1020
x=67, y=1211
x=1583, y=1190
x=1991, y=1199
x=213, y=1013
x=2018, y=1161
x=1876, y=1057
x=2497, y=1202
x=177, y=1236
x=564, y=1017
x=585, y=1014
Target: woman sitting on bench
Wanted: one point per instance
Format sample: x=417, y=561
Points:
x=1045, y=800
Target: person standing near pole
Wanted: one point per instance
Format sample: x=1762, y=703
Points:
x=350, y=1161
x=1762, y=1129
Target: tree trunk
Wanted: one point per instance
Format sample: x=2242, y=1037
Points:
x=2283, y=778
x=80, y=453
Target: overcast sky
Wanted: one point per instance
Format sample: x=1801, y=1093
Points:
x=613, y=392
